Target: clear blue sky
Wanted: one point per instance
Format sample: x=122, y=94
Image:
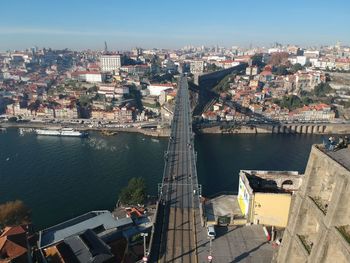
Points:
x=78, y=24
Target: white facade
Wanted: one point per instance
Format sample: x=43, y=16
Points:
x=107, y=90
x=122, y=90
x=156, y=89
x=197, y=66
x=93, y=77
x=110, y=62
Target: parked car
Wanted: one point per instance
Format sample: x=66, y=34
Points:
x=211, y=232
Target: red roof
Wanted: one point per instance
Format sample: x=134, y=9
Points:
x=266, y=73
x=13, y=243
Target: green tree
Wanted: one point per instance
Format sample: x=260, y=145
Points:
x=306, y=100
x=296, y=67
x=290, y=102
x=14, y=213
x=134, y=193
x=280, y=70
x=257, y=60
x=12, y=119
x=322, y=89
x=84, y=101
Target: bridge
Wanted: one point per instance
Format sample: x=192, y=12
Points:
x=174, y=235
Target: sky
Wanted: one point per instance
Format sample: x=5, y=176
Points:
x=86, y=24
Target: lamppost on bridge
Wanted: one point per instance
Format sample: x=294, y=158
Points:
x=145, y=254
x=210, y=257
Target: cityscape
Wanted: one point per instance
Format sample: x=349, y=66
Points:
x=125, y=138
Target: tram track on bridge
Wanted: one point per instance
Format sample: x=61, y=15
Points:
x=177, y=242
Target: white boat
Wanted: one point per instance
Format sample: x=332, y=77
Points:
x=69, y=132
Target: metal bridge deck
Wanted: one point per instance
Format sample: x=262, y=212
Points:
x=175, y=237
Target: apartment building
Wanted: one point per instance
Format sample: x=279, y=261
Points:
x=110, y=63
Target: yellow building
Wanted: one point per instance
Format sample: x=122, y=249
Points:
x=265, y=197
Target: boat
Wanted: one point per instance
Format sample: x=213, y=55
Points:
x=68, y=132
x=108, y=133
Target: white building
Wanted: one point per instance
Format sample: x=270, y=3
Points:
x=156, y=89
x=88, y=76
x=110, y=63
x=107, y=90
x=122, y=90
x=93, y=77
x=298, y=59
x=197, y=66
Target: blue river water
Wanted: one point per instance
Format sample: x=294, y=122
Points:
x=59, y=177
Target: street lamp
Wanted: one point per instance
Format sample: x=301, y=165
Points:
x=144, y=235
x=210, y=257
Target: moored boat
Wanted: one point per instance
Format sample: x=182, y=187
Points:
x=69, y=132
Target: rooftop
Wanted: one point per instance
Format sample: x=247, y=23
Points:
x=98, y=221
x=272, y=181
x=341, y=156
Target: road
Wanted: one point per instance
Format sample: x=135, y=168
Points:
x=179, y=193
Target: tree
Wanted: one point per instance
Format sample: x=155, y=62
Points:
x=257, y=60
x=84, y=101
x=290, y=102
x=322, y=89
x=12, y=119
x=34, y=106
x=296, y=67
x=14, y=213
x=134, y=193
x=279, y=58
x=280, y=70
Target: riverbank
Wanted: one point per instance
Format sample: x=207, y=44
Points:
x=148, y=132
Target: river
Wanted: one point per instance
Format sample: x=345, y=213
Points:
x=59, y=177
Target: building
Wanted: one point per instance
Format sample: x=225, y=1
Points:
x=110, y=63
x=156, y=89
x=252, y=71
x=88, y=76
x=86, y=247
x=14, y=245
x=313, y=112
x=319, y=225
x=107, y=90
x=265, y=197
x=228, y=63
x=85, y=238
x=197, y=66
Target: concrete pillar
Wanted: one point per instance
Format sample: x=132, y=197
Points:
x=300, y=129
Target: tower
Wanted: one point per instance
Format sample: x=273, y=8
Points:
x=106, y=49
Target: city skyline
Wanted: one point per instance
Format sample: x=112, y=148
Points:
x=80, y=25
